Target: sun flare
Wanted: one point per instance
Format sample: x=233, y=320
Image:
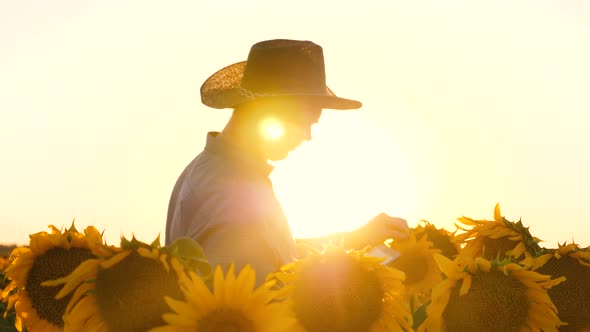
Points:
x=272, y=129
x=317, y=188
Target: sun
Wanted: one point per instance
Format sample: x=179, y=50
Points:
x=340, y=180
x=272, y=129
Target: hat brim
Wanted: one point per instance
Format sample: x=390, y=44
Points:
x=222, y=90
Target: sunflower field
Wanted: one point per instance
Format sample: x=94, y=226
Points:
x=487, y=275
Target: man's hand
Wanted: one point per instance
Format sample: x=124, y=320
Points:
x=375, y=232
x=381, y=228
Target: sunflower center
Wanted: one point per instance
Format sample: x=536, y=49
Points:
x=414, y=266
x=336, y=294
x=491, y=294
x=226, y=320
x=571, y=297
x=442, y=241
x=130, y=294
x=53, y=264
x=497, y=248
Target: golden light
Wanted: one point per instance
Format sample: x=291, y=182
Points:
x=309, y=183
x=272, y=129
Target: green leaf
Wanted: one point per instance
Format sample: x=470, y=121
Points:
x=420, y=315
x=135, y=243
x=191, y=255
x=73, y=228
x=156, y=242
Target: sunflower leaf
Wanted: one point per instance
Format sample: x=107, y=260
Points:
x=156, y=242
x=190, y=254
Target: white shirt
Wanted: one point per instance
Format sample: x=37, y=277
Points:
x=225, y=201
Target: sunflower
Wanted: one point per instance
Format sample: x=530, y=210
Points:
x=416, y=260
x=49, y=256
x=483, y=295
x=441, y=239
x=233, y=305
x=4, y=262
x=497, y=239
x=572, y=297
x=123, y=290
x=339, y=290
x=6, y=320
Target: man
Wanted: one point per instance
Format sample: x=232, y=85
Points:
x=224, y=198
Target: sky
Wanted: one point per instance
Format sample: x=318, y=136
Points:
x=466, y=104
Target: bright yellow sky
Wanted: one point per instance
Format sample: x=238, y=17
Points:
x=466, y=104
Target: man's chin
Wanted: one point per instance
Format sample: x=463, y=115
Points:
x=277, y=156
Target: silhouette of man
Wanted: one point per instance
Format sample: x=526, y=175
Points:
x=224, y=199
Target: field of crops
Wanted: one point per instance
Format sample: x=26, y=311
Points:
x=487, y=275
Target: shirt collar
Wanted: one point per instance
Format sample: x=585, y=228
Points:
x=233, y=154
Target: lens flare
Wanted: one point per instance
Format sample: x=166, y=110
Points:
x=272, y=129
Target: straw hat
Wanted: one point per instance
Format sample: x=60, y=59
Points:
x=275, y=68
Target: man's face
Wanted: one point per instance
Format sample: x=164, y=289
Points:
x=284, y=127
